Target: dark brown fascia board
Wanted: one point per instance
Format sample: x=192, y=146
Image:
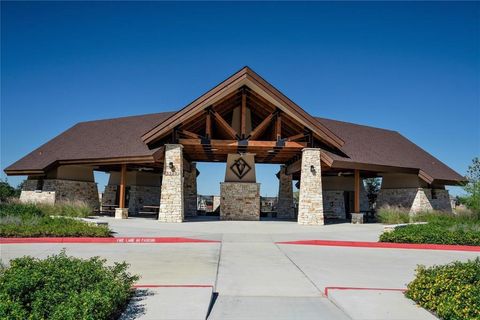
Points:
x=425, y=176
x=338, y=164
x=23, y=172
x=119, y=160
x=245, y=73
x=180, y=115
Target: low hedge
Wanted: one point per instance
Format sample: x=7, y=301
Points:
x=451, y=291
x=434, y=233
x=50, y=227
x=441, y=227
x=29, y=220
x=64, y=288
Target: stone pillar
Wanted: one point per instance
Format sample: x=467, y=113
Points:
x=190, y=190
x=310, y=205
x=171, y=197
x=285, y=208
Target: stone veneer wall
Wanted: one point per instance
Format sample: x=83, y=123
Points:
x=63, y=190
x=239, y=201
x=109, y=195
x=47, y=197
x=415, y=199
x=334, y=204
x=285, y=209
x=310, y=204
x=171, y=197
x=140, y=196
x=190, y=190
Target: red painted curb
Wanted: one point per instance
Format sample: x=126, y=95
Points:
x=104, y=240
x=360, y=288
x=391, y=245
x=137, y=286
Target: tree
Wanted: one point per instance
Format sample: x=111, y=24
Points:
x=6, y=191
x=472, y=188
x=372, y=187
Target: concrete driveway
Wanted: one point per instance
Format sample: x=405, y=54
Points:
x=246, y=274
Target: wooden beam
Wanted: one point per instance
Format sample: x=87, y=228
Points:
x=234, y=143
x=356, y=200
x=208, y=125
x=294, y=167
x=261, y=127
x=190, y=134
x=278, y=127
x=123, y=181
x=296, y=137
x=224, y=125
x=243, y=115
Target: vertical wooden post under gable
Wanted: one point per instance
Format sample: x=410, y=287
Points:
x=278, y=126
x=356, y=196
x=208, y=125
x=243, y=115
x=123, y=179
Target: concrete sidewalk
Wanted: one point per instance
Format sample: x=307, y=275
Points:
x=254, y=277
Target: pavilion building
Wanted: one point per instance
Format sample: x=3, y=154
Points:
x=242, y=121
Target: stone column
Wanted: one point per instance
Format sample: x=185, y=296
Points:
x=310, y=206
x=171, y=197
x=285, y=195
x=190, y=190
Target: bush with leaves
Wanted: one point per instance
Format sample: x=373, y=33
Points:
x=64, y=288
x=442, y=228
x=30, y=220
x=451, y=291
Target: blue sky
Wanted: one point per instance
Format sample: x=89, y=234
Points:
x=407, y=66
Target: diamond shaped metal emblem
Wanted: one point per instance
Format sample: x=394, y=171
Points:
x=240, y=168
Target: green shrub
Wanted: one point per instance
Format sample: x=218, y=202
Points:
x=460, y=234
x=30, y=220
x=451, y=291
x=393, y=215
x=50, y=227
x=64, y=288
x=66, y=208
x=442, y=228
x=19, y=209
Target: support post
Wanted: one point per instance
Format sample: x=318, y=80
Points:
x=190, y=190
x=357, y=216
x=310, y=206
x=285, y=208
x=172, y=197
x=356, y=196
x=121, y=212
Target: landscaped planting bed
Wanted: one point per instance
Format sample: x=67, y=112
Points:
x=29, y=220
x=441, y=228
x=64, y=288
x=450, y=291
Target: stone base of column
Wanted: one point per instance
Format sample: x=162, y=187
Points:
x=121, y=213
x=239, y=201
x=357, y=218
x=310, y=205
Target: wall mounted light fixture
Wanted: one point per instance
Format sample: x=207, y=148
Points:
x=312, y=169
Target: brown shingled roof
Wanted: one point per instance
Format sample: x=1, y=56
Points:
x=101, y=139
x=375, y=146
x=121, y=138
